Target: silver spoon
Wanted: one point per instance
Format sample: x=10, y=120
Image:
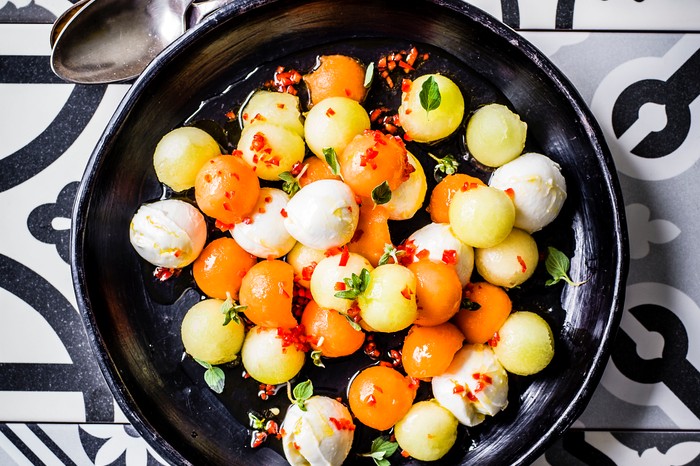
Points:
x=64, y=19
x=113, y=40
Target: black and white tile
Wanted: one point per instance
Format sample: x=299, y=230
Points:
x=641, y=84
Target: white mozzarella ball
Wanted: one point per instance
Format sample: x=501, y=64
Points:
x=320, y=435
x=437, y=238
x=169, y=233
x=323, y=214
x=263, y=234
x=539, y=189
x=474, y=386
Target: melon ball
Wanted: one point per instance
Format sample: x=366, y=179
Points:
x=409, y=196
x=432, y=108
x=331, y=271
x=206, y=338
x=389, y=302
x=510, y=262
x=427, y=431
x=539, y=189
x=304, y=260
x=495, y=135
x=525, y=343
x=266, y=359
x=439, y=240
x=280, y=108
x=180, y=154
x=332, y=123
x=270, y=149
x=481, y=216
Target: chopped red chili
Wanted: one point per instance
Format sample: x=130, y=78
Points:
x=523, y=265
x=449, y=256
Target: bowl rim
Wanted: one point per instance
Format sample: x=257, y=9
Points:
x=558, y=82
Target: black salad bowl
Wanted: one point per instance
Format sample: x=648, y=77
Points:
x=133, y=319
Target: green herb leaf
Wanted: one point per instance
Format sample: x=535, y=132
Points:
x=316, y=358
x=557, y=265
x=369, y=75
x=469, y=305
x=352, y=323
x=213, y=376
x=332, y=159
x=390, y=252
x=447, y=165
x=291, y=184
x=230, y=308
x=303, y=392
x=382, y=448
x=355, y=285
x=381, y=194
x=256, y=421
x=430, y=95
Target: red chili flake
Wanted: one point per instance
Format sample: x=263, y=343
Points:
x=273, y=161
x=374, y=115
x=226, y=206
x=256, y=158
x=339, y=286
x=296, y=446
x=283, y=213
x=230, y=115
x=342, y=424
x=258, y=142
x=406, y=137
x=344, y=257
x=471, y=397
x=467, y=186
x=408, y=111
x=258, y=439
x=330, y=112
x=510, y=192
x=271, y=427
x=223, y=226
x=165, y=273
x=307, y=271
x=295, y=336
x=449, y=256
x=370, y=400
x=177, y=253
x=414, y=383
x=406, y=67
x=296, y=168
x=412, y=55
x=237, y=153
x=523, y=265
x=235, y=175
x=458, y=389
x=406, y=85
x=406, y=292
x=247, y=220
x=229, y=194
x=493, y=341
x=258, y=117
x=280, y=105
x=389, y=81
x=333, y=251
x=423, y=254
x=405, y=454
x=207, y=177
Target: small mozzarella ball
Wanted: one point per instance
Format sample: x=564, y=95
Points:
x=539, y=189
x=389, y=302
x=279, y=108
x=333, y=122
x=270, y=149
x=474, y=386
x=168, y=233
x=422, y=125
x=427, y=431
x=263, y=234
x=495, y=135
x=409, y=196
x=322, y=434
x=323, y=214
x=436, y=238
x=481, y=216
x=510, y=262
x=328, y=272
x=180, y=154
x=266, y=360
x=304, y=260
x=206, y=338
x=526, y=344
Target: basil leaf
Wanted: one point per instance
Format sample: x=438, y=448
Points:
x=557, y=265
x=429, y=95
x=369, y=75
x=303, y=392
x=215, y=378
x=332, y=159
x=381, y=194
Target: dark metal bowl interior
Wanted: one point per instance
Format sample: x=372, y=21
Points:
x=135, y=334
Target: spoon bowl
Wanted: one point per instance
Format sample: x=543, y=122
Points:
x=114, y=40
x=64, y=19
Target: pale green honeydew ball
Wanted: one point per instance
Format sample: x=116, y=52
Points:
x=206, y=338
x=526, y=343
x=495, y=135
x=266, y=360
x=280, y=108
x=332, y=123
x=481, y=216
x=180, y=154
x=509, y=263
x=419, y=119
x=427, y=431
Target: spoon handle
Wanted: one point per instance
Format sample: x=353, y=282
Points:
x=199, y=10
